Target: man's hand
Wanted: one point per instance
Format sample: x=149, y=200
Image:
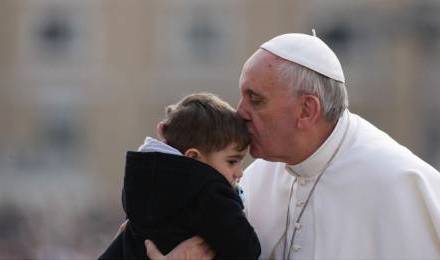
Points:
x=193, y=248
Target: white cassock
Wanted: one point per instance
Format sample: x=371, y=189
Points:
x=374, y=200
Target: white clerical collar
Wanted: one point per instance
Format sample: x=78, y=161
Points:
x=318, y=161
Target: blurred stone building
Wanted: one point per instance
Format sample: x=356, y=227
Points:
x=83, y=81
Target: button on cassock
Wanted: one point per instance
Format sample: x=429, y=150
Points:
x=296, y=248
x=300, y=203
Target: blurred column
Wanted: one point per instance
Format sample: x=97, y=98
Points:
x=8, y=34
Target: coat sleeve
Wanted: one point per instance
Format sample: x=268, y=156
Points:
x=114, y=251
x=222, y=223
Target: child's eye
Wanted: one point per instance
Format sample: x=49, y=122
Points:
x=232, y=162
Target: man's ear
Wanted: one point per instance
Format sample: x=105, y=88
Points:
x=193, y=153
x=310, y=111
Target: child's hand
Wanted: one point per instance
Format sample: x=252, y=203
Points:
x=121, y=228
x=193, y=248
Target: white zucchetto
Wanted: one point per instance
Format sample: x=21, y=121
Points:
x=308, y=51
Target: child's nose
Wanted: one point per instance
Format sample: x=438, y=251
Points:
x=238, y=174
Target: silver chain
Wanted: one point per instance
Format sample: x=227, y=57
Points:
x=306, y=202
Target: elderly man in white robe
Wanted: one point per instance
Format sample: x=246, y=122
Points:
x=327, y=184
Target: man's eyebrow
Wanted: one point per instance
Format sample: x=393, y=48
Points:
x=251, y=92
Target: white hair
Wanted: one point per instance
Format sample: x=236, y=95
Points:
x=331, y=93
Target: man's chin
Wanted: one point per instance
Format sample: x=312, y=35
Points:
x=255, y=152
x=258, y=154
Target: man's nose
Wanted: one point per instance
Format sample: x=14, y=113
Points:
x=242, y=111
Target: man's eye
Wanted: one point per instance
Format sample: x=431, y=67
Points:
x=254, y=99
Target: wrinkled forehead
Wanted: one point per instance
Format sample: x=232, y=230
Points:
x=261, y=68
x=261, y=57
x=261, y=61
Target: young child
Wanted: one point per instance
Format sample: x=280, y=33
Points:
x=185, y=185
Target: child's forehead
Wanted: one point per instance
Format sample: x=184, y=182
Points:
x=234, y=148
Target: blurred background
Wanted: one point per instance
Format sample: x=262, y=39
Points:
x=83, y=81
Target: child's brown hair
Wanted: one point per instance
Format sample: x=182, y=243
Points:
x=205, y=122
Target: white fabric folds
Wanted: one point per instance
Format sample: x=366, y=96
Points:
x=376, y=200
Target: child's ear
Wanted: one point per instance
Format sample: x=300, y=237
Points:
x=193, y=153
x=159, y=130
